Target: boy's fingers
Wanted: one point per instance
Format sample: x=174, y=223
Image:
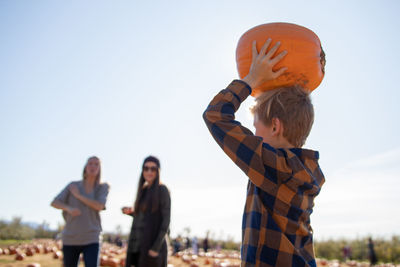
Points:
x=265, y=46
x=273, y=50
x=254, y=50
x=278, y=57
x=279, y=72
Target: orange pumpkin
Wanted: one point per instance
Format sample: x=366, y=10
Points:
x=37, y=248
x=29, y=252
x=20, y=256
x=186, y=259
x=57, y=255
x=12, y=250
x=47, y=250
x=305, y=59
x=103, y=260
x=114, y=262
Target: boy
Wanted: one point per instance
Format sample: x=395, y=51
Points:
x=283, y=178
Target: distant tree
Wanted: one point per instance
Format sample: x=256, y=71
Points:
x=387, y=250
x=231, y=244
x=44, y=231
x=16, y=230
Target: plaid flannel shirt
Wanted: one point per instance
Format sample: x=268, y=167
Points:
x=282, y=186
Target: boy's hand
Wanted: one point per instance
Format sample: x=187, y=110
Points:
x=262, y=64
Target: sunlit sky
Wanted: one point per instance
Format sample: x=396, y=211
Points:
x=125, y=79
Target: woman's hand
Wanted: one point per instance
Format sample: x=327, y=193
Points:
x=73, y=188
x=127, y=210
x=153, y=253
x=71, y=210
x=262, y=64
x=74, y=211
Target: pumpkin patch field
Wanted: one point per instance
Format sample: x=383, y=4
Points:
x=47, y=253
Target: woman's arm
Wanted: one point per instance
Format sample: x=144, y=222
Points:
x=61, y=202
x=59, y=205
x=96, y=205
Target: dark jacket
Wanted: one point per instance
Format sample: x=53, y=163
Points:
x=153, y=234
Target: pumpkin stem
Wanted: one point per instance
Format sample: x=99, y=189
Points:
x=322, y=60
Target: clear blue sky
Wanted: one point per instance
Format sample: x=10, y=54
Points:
x=123, y=79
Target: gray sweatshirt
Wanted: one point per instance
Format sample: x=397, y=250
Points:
x=86, y=228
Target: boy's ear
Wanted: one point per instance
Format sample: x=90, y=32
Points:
x=277, y=126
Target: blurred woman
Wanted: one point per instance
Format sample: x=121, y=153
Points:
x=81, y=203
x=151, y=213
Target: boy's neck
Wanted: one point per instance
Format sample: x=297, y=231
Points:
x=279, y=142
x=285, y=145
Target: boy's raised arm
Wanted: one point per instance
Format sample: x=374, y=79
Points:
x=238, y=142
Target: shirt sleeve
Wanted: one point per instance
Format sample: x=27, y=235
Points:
x=263, y=164
x=63, y=195
x=165, y=206
x=102, y=193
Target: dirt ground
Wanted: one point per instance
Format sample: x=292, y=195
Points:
x=46, y=260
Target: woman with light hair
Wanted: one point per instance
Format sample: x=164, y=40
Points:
x=81, y=202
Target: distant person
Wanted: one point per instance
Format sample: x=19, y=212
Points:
x=218, y=246
x=81, y=202
x=118, y=241
x=176, y=245
x=188, y=243
x=371, y=252
x=151, y=213
x=195, y=245
x=283, y=179
x=346, y=253
x=205, y=244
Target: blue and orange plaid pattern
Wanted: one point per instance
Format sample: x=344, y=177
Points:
x=282, y=185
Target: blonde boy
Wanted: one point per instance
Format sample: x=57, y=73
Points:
x=284, y=179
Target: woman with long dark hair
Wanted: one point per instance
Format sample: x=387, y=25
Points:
x=81, y=203
x=151, y=216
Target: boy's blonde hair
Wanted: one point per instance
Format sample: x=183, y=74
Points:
x=292, y=106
